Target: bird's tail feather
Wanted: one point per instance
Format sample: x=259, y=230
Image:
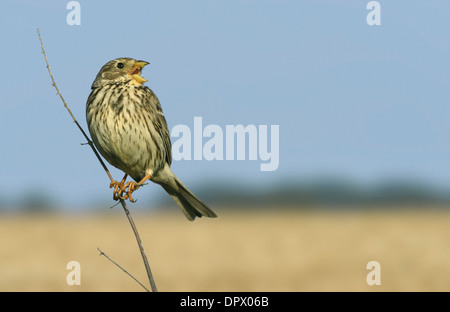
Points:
x=190, y=205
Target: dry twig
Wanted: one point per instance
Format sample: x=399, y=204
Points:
x=127, y=212
x=115, y=263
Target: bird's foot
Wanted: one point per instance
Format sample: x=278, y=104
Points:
x=124, y=190
x=130, y=187
x=119, y=189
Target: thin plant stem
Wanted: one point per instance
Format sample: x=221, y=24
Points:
x=141, y=247
x=118, y=265
x=91, y=144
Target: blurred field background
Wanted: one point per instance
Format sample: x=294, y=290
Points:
x=249, y=250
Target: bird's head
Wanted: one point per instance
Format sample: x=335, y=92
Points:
x=123, y=69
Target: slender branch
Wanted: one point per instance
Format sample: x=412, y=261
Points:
x=70, y=112
x=106, y=256
x=130, y=219
x=141, y=247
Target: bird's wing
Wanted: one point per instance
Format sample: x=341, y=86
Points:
x=160, y=124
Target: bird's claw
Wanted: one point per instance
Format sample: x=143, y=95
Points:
x=119, y=189
x=124, y=191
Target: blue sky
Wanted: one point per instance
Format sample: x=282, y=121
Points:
x=359, y=101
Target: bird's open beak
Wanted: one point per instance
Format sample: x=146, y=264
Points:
x=135, y=71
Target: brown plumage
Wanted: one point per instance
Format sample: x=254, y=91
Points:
x=128, y=127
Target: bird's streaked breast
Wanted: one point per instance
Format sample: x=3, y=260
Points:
x=122, y=127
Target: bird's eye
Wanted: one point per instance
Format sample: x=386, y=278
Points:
x=120, y=65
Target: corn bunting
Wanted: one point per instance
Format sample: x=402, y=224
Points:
x=127, y=125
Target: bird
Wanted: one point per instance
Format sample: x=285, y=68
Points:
x=127, y=126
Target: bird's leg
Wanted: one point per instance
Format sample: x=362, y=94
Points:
x=133, y=186
x=119, y=188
